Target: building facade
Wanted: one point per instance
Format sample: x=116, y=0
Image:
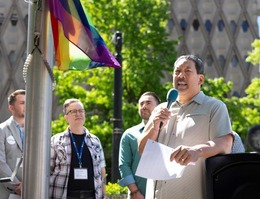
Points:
x=13, y=37
x=220, y=32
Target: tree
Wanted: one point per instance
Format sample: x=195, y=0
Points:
x=147, y=56
x=244, y=112
x=146, y=50
x=254, y=56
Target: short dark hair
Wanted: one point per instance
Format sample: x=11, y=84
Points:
x=198, y=63
x=12, y=96
x=157, y=99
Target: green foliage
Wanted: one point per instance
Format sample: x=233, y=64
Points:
x=244, y=112
x=211, y=87
x=146, y=51
x=115, y=189
x=251, y=102
x=254, y=56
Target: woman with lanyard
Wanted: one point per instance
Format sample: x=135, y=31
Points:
x=77, y=158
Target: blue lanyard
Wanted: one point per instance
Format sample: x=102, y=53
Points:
x=79, y=155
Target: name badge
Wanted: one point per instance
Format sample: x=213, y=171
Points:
x=81, y=174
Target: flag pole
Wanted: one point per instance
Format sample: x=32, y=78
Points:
x=117, y=132
x=38, y=106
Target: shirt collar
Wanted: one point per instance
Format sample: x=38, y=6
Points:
x=197, y=98
x=141, y=127
x=17, y=124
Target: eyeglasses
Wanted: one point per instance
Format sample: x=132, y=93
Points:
x=75, y=111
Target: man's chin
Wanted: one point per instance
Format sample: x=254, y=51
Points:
x=182, y=88
x=145, y=117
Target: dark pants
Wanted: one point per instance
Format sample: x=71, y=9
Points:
x=81, y=195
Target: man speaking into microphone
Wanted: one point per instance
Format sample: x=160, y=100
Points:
x=196, y=126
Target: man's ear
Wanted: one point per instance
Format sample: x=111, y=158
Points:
x=11, y=108
x=65, y=117
x=201, y=79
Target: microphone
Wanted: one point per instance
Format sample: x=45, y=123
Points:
x=171, y=97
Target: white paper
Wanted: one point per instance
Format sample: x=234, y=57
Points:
x=13, y=196
x=155, y=163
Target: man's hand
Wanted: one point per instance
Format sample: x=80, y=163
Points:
x=137, y=195
x=161, y=116
x=18, y=189
x=184, y=155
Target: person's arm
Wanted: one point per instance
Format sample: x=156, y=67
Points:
x=53, y=155
x=125, y=161
x=152, y=127
x=187, y=154
x=103, y=176
x=5, y=170
x=102, y=164
x=135, y=192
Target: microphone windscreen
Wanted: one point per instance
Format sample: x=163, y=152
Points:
x=172, y=95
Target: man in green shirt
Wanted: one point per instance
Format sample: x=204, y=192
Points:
x=129, y=156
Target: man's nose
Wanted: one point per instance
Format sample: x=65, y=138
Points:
x=144, y=106
x=181, y=74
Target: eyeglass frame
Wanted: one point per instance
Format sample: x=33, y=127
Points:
x=76, y=111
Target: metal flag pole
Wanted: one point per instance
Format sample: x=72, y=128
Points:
x=36, y=164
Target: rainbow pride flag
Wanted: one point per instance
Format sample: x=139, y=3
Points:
x=78, y=45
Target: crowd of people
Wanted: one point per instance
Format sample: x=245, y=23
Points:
x=77, y=162
x=195, y=126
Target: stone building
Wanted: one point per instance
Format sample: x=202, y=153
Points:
x=220, y=32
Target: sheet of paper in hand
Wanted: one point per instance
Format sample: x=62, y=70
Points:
x=155, y=163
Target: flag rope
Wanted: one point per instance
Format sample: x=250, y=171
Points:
x=29, y=59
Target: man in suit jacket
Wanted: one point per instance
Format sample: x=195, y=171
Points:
x=11, y=144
